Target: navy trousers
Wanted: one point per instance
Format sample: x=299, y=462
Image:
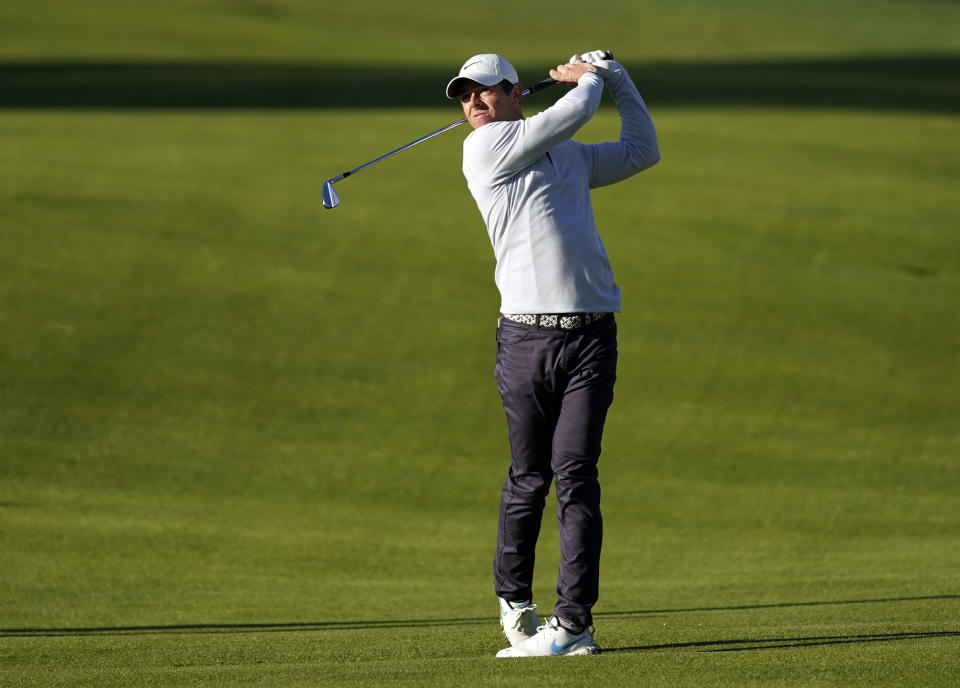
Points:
x=556, y=387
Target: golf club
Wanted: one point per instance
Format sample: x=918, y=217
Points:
x=332, y=200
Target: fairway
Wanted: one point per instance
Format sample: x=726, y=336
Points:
x=246, y=441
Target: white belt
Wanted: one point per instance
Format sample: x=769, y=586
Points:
x=558, y=321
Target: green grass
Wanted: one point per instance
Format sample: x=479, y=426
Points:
x=246, y=441
x=225, y=406
x=381, y=33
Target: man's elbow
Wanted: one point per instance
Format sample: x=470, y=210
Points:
x=653, y=156
x=644, y=157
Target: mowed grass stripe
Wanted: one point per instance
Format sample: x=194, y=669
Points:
x=223, y=406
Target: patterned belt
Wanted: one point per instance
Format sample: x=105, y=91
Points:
x=557, y=321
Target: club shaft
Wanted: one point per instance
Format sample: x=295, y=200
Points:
x=453, y=125
x=429, y=136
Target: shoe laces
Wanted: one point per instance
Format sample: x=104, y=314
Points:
x=519, y=615
x=549, y=624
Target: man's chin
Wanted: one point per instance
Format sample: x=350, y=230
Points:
x=480, y=119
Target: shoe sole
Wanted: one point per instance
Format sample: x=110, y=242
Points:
x=580, y=651
x=593, y=650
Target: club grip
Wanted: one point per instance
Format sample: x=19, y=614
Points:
x=540, y=85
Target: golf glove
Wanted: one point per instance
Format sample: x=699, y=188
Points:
x=597, y=58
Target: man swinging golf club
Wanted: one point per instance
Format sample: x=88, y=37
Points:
x=557, y=339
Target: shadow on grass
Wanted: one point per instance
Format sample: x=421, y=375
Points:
x=745, y=644
x=314, y=626
x=913, y=82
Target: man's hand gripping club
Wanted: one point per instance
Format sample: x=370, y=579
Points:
x=597, y=61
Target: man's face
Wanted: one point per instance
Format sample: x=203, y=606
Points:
x=485, y=104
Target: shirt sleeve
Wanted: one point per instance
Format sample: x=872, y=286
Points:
x=637, y=149
x=500, y=149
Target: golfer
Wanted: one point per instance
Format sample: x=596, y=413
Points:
x=557, y=337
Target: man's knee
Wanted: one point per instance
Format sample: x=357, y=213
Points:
x=528, y=487
x=581, y=487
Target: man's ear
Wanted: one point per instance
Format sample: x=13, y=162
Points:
x=517, y=91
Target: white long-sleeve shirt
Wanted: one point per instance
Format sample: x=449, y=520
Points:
x=531, y=184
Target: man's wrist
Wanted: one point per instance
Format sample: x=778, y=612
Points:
x=572, y=73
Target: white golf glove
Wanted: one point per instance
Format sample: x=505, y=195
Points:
x=597, y=58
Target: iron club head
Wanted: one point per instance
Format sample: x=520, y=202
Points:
x=330, y=198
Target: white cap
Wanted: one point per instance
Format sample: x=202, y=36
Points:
x=487, y=69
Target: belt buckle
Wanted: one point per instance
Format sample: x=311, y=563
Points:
x=548, y=321
x=571, y=321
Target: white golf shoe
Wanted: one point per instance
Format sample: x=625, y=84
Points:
x=518, y=620
x=553, y=640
